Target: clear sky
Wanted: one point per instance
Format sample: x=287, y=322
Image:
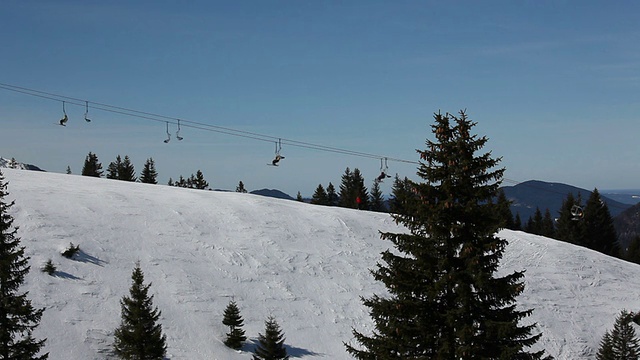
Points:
x=554, y=85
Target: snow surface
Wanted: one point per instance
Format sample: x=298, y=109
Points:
x=306, y=265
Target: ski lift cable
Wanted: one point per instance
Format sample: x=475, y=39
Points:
x=190, y=124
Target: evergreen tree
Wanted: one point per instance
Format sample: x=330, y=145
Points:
x=504, y=206
x=600, y=235
x=320, y=197
x=534, y=225
x=633, y=251
x=548, y=226
x=271, y=344
x=401, y=195
x=170, y=182
x=517, y=223
x=232, y=319
x=139, y=335
x=376, y=200
x=199, y=182
x=18, y=318
x=113, y=170
x=346, y=197
x=621, y=343
x=149, y=175
x=68, y=170
x=13, y=164
x=299, y=197
x=444, y=299
x=240, y=188
x=332, y=197
x=92, y=167
x=570, y=228
x=126, y=171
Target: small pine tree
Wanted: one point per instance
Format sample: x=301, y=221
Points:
x=126, y=171
x=199, y=182
x=139, y=335
x=319, y=197
x=49, y=268
x=504, y=206
x=92, y=167
x=113, y=170
x=271, y=344
x=71, y=251
x=18, y=318
x=548, y=226
x=68, y=170
x=13, y=164
x=401, y=195
x=240, y=188
x=149, y=175
x=299, y=197
x=232, y=319
x=620, y=343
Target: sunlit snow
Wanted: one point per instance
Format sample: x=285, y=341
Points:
x=306, y=265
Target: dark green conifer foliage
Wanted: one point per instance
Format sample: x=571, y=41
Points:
x=199, y=182
x=620, y=343
x=504, y=206
x=332, y=197
x=346, y=197
x=126, y=171
x=517, y=223
x=299, y=197
x=92, y=167
x=271, y=343
x=68, y=170
x=600, y=235
x=113, y=170
x=240, y=188
x=534, y=225
x=320, y=196
x=401, y=195
x=548, y=226
x=139, y=335
x=570, y=228
x=149, y=175
x=18, y=318
x=232, y=319
x=376, y=200
x=633, y=251
x=444, y=299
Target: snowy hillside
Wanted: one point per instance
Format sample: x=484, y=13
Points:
x=306, y=265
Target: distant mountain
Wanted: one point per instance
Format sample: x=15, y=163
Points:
x=9, y=163
x=272, y=193
x=528, y=195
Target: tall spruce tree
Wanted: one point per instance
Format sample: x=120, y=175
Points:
x=271, y=343
x=621, y=342
x=149, y=175
x=199, y=182
x=139, y=335
x=232, y=319
x=504, y=206
x=345, y=197
x=92, y=166
x=548, y=226
x=401, y=195
x=444, y=299
x=600, y=235
x=18, y=317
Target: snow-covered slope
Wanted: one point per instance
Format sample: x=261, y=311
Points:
x=306, y=265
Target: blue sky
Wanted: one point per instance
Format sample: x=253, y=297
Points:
x=553, y=84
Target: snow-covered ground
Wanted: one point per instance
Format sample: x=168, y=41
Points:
x=306, y=265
